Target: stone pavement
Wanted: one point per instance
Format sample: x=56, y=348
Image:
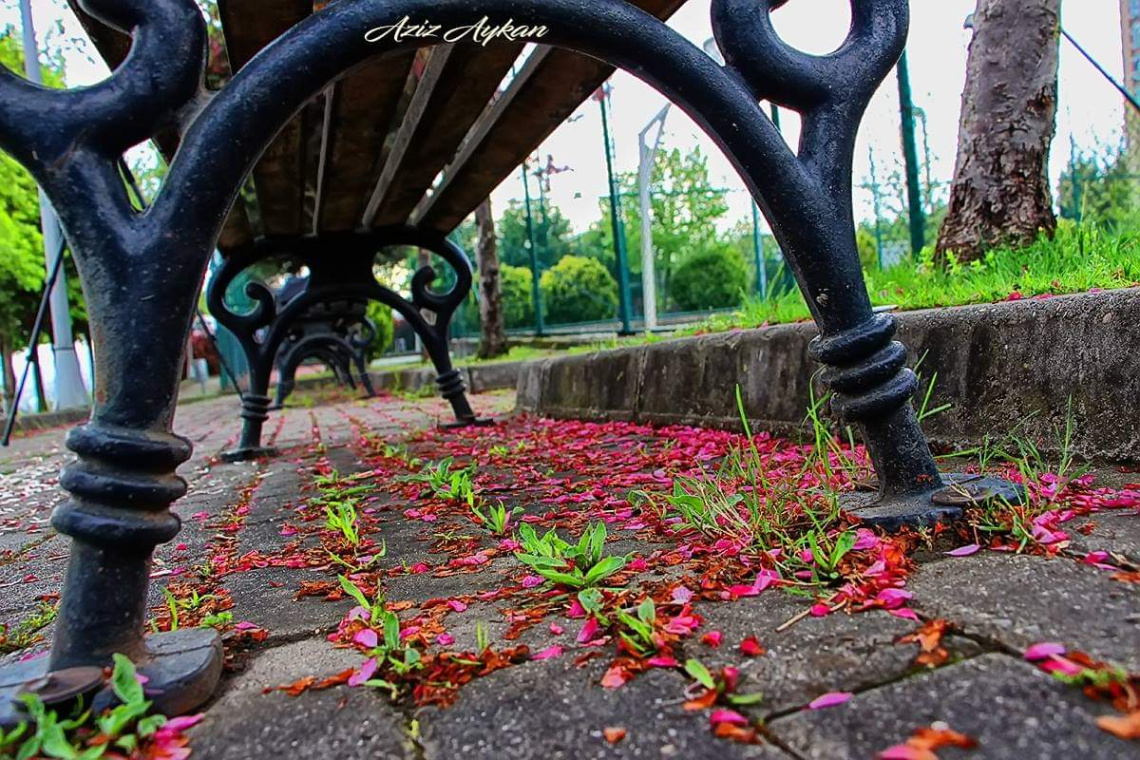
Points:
x=255, y=550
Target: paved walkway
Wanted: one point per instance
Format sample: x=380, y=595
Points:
x=511, y=668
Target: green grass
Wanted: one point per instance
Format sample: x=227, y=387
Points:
x=1076, y=260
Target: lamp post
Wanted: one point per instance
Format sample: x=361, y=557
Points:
x=625, y=306
x=644, y=175
x=910, y=155
x=536, y=291
x=70, y=392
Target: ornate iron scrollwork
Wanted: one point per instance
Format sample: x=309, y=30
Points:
x=141, y=270
x=340, y=267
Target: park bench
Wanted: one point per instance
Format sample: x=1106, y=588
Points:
x=335, y=333
x=332, y=142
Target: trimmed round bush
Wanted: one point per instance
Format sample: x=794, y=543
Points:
x=518, y=299
x=711, y=279
x=381, y=316
x=578, y=289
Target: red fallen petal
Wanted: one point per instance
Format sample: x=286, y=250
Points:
x=613, y=734
x=831, y=699
x=589, y=630
x=615, y=677
x=820, y=610
x=712, y=639
x=661, y=661
x=751, y=647
x=727, y=716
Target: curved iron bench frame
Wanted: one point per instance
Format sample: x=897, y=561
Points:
x=340, y=267
x=338, y=338
x=141, y=270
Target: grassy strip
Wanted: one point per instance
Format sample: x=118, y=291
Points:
x=1076, y=260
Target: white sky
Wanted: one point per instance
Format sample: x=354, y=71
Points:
x=1091, y=111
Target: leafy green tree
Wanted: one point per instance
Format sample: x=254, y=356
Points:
x=686, y=212
x=1097, y=187
x=552, y=235
x=578, y=289
x=518, y=296
x=714, y=278
x=22, y=258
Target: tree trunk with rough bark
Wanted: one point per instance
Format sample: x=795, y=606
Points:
x=493, y=341
x=1000, y=194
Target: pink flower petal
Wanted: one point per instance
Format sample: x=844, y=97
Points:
x=367, y=670
x=546, y=654
x=366, y=638
x=556, y=630
x=964, y=551
x=1044, y=650
x=903, y=752
x=445, y=639
x=1056, y=664
x=531, y=581
x=661, y=661
x=682, y=595
x=457, y=605
x=820, y=610
x=906, y=613
x=184, y=722
x=727, y=716
x=831, y=699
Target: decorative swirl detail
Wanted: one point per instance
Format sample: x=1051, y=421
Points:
x=127, y=108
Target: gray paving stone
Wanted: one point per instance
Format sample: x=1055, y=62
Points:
x=265, y=597
x=342, y=723
x=1023, y=600
x=1012, y=709
x=1117, y=532
x=814, y=656
x=554, y=711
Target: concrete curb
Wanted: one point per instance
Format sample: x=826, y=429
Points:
x=31, y=422
x=478, y=378
x=1005, y=366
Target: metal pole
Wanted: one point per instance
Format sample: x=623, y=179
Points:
x=647, y=157
x=37, y=328
x=536, y=291
x=910, y=155
x=70, y=392
x=625, y=307
x=221, y=357
x=758, y=252
x=878, y=209
x=1096, y=64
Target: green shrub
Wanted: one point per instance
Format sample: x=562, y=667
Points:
x=381, y=316
x=518, y=300
x=711, y=279
x=578, y=289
